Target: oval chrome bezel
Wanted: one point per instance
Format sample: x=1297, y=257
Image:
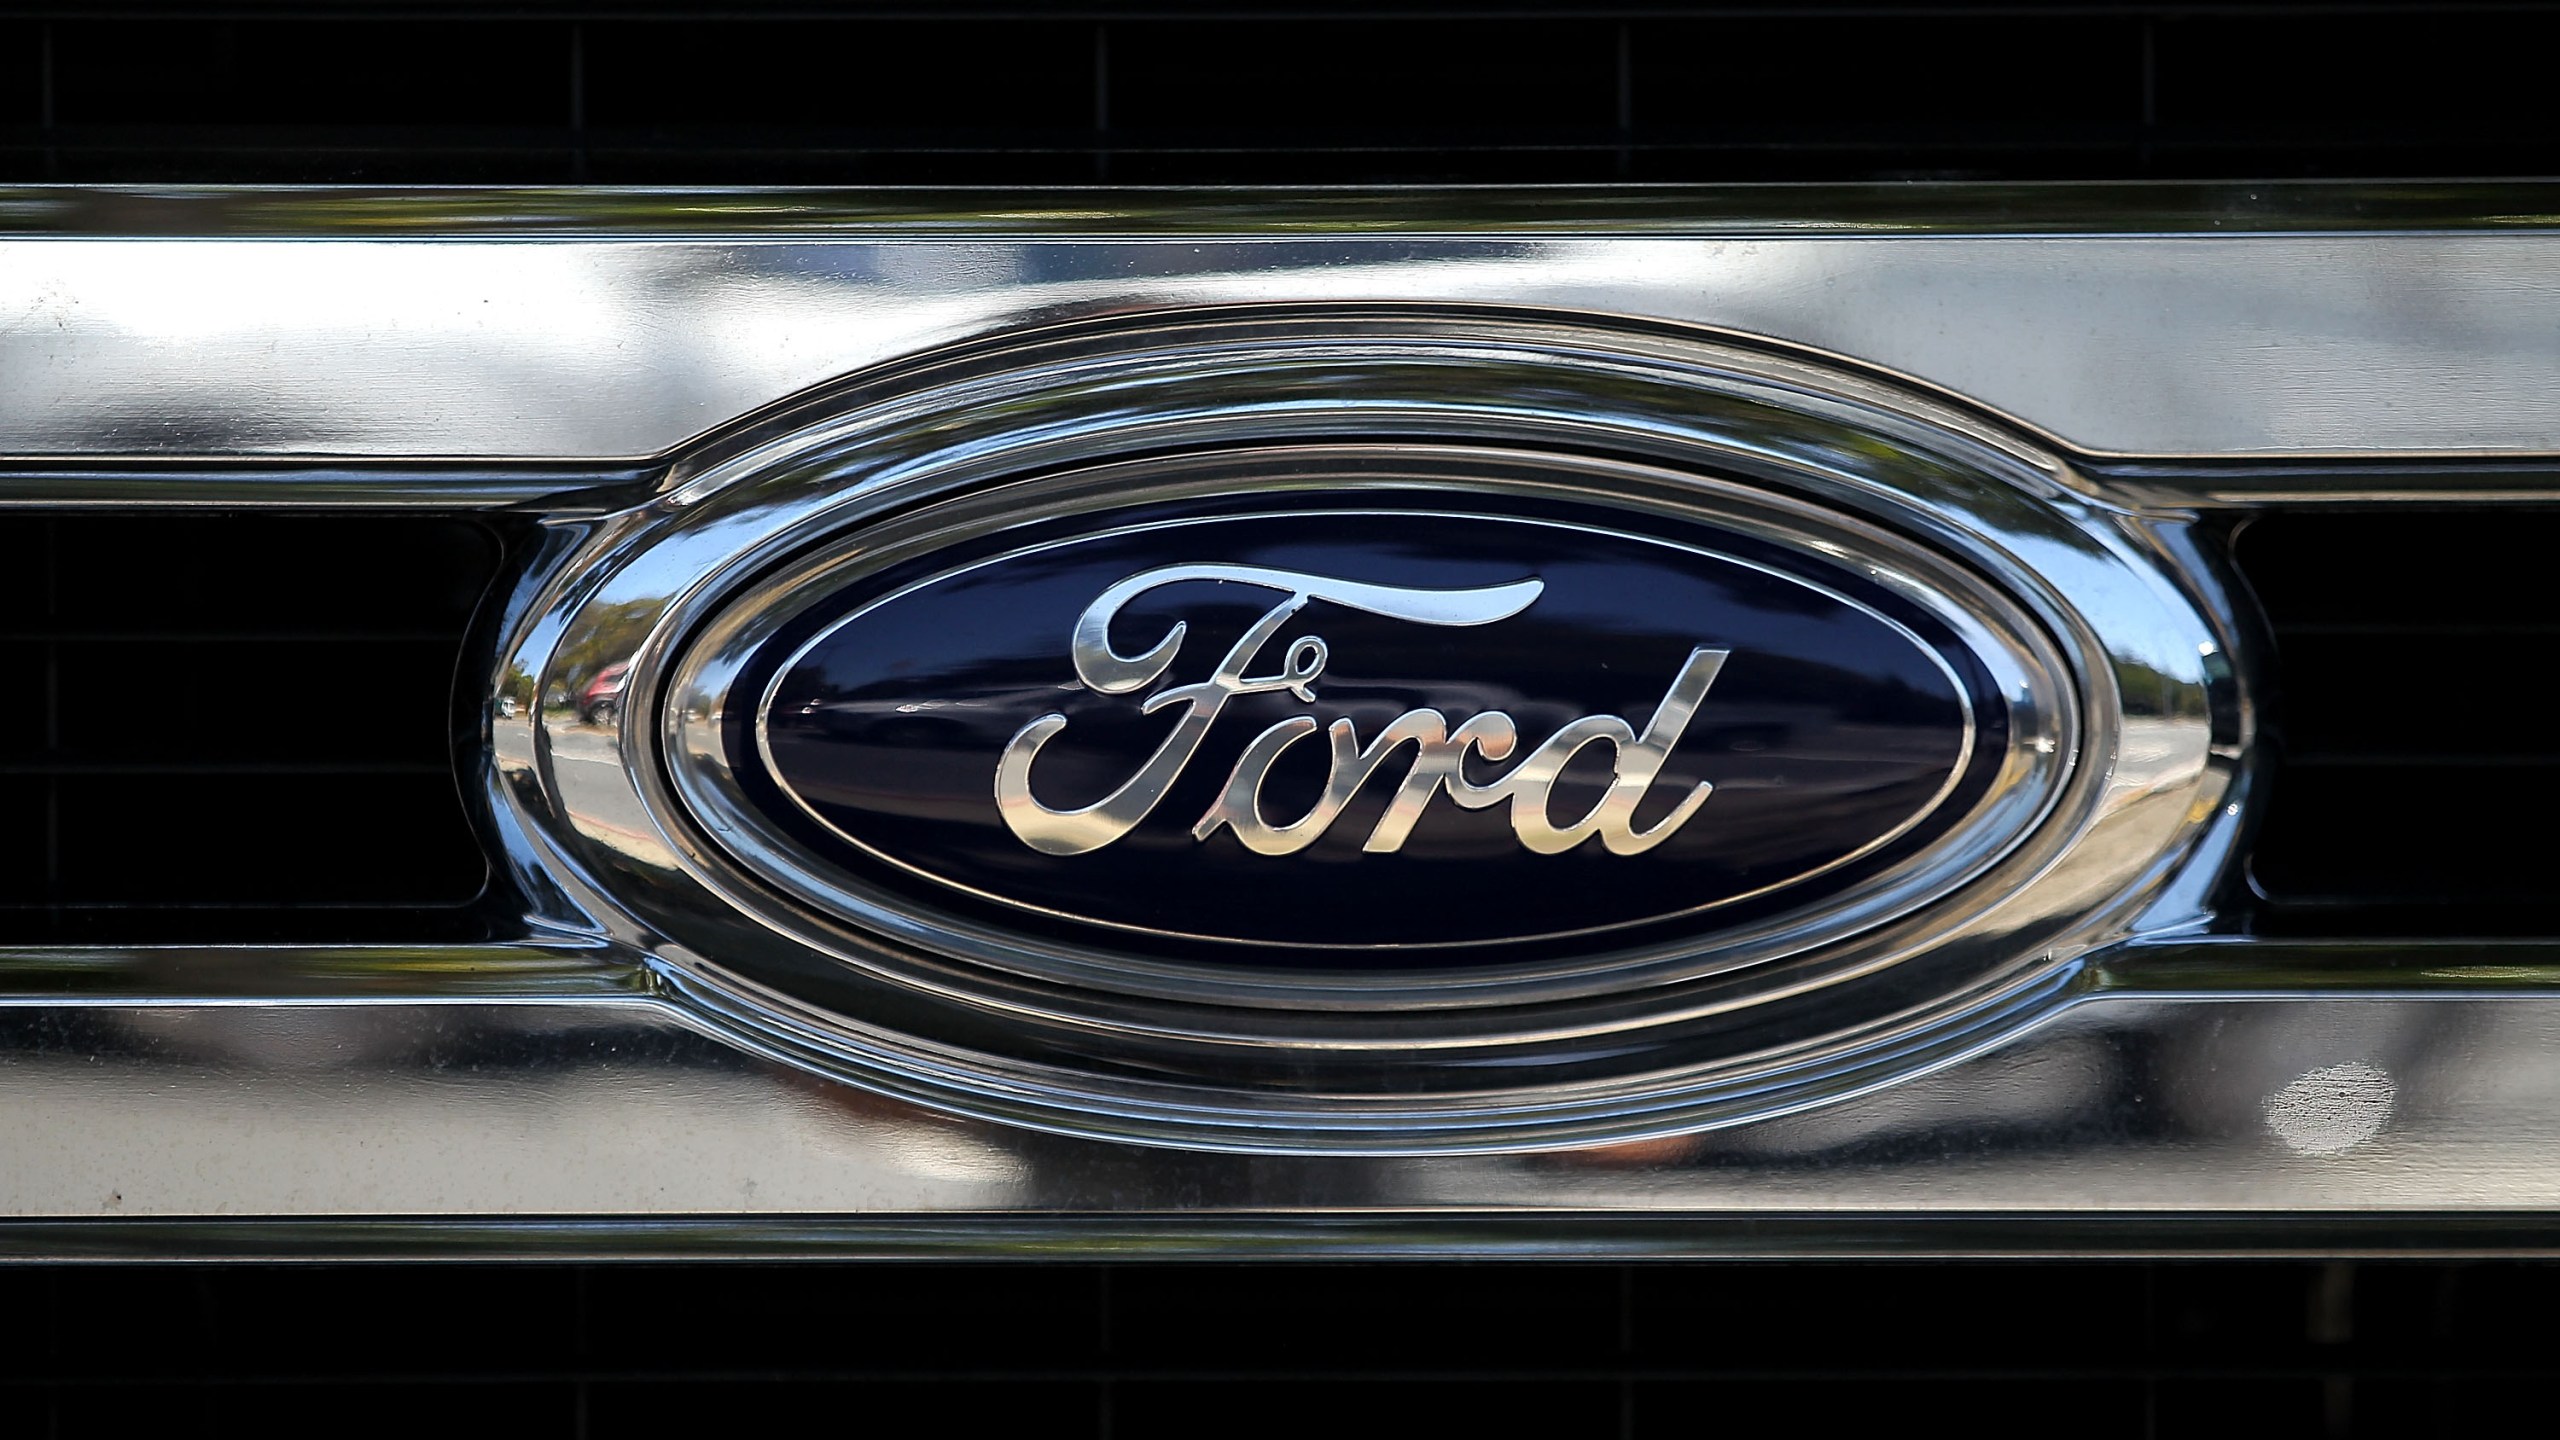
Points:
x=2151, y=737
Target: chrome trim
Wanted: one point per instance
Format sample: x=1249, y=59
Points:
x=2065, y=600
x=453, y=325
x=1916, y=207
x=551, y=488
x=618, y=1127
x=517, y=972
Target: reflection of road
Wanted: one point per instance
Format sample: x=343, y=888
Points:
x=586, y=769
x=503, y=1109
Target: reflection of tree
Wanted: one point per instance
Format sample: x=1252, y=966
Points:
x=616, y=633
x=518, y=686
x=2150, y=692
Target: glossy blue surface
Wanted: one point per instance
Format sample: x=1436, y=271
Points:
x=1844, y=730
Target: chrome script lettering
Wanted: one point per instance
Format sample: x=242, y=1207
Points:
x=1439, y=751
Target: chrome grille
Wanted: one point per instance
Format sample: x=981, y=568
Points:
x=280, y=692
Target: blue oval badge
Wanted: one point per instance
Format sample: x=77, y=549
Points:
x=1366, y=732
x=1361, y=730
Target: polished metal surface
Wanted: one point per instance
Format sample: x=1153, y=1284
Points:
x=1914, y=207
x=2069, y=1050
x=2263, y=321
x=2147, y=1110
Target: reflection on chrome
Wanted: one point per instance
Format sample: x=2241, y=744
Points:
x=539, y=1111
x=2333, y=1109
x=582, y=346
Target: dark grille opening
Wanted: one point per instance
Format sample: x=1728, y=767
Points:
x=2417, y=750
x=1174, y=94
x=1132, y=1352
x=234, y=728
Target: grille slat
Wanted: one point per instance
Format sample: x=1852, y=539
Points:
x=553, y=94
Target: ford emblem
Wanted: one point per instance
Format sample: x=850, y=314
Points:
x=1369, y=730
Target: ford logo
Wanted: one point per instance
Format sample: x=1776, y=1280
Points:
x=1365, y=730
x=1370, y=731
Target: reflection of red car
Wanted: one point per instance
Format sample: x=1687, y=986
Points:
x=602, y=699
